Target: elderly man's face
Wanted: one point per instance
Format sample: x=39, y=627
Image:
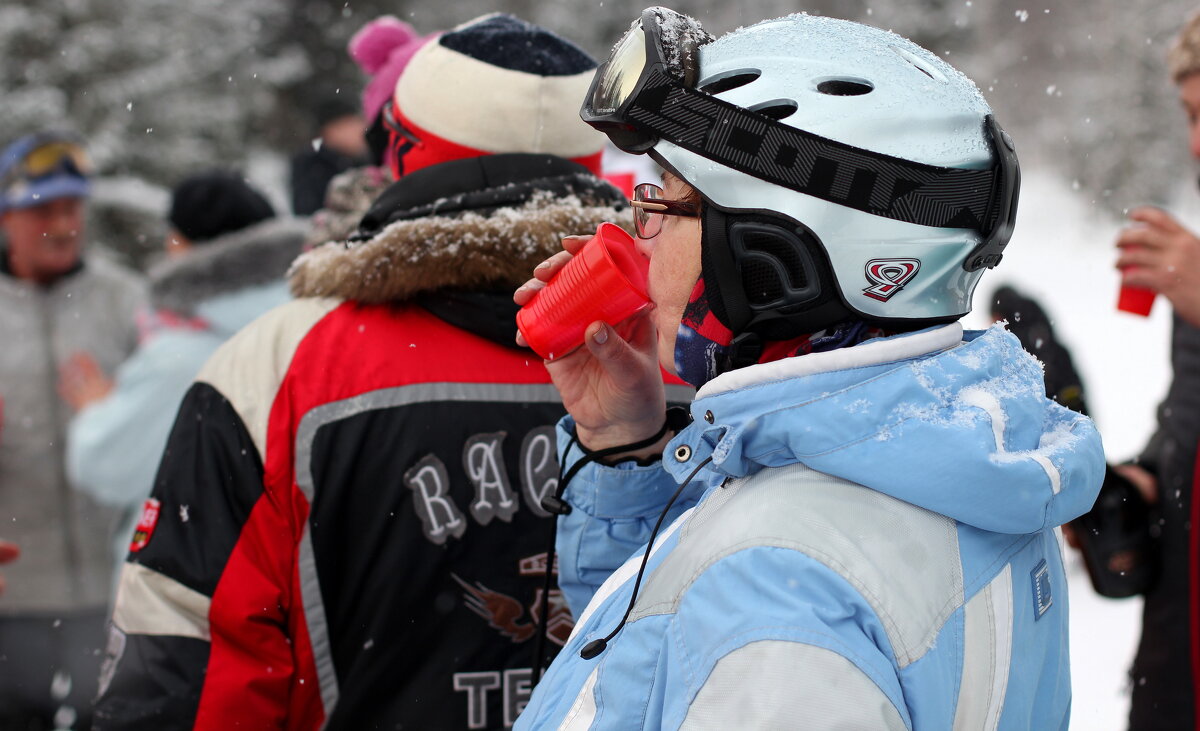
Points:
x=44, y=241
x=674, y=270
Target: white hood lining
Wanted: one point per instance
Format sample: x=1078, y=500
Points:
x=873, y=352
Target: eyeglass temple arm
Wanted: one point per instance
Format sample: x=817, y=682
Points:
x=648, y=206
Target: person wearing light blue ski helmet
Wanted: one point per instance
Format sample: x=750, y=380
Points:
x=853, y=525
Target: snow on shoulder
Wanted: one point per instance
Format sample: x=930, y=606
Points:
x=955, y=423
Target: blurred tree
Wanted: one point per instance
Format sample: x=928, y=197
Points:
x=159, y=88
x=156, y=86
x=163, y=87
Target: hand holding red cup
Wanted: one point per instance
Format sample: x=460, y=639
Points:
x=605, y=281
x=1141, y=244
x=1136, y=300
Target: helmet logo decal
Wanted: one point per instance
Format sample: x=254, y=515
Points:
x=888, y=276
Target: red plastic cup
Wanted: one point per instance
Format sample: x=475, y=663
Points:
x=605, y=281
x=1137, y=300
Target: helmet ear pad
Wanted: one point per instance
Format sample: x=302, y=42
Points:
x=767, y=274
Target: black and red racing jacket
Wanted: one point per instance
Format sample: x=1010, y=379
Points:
x=345, y=531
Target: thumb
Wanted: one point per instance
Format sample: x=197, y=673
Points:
x=612, y=351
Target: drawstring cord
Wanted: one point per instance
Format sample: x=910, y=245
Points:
x=555, y=505
x=595, y=647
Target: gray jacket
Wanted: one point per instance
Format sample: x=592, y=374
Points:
x=63, y=535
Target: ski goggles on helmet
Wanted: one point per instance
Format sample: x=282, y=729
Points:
x=661, y=46
x=46, y=157
x=646, y=92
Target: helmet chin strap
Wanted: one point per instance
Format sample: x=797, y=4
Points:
x=719, y=269
x=744, y=350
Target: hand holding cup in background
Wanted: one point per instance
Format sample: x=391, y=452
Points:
x=1136, y=300
x=1159, y=255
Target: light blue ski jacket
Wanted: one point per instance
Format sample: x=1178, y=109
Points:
x=868, y=543
x=114, y=445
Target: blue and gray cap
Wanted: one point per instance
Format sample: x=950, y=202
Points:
x=42, y=167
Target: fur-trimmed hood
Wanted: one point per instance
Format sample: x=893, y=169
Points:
x=253, y=256
x=470, y=225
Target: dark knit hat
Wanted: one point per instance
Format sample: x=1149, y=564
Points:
x=333, y=108
x=496, y=84
x=213, y=203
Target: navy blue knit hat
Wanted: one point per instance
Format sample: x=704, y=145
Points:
x=333, y=108
x=511, y=43
x=210, y=204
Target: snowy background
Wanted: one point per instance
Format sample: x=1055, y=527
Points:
x=164, y=87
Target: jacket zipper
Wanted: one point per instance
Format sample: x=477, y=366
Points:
x=46, y=300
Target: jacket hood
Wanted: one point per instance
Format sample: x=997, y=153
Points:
x=251, y=257
x=479, y=224
x=225, y=314
x=959, y=426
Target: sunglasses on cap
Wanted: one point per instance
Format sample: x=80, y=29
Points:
x=48, y=157
x=401, y=140
x=649, y=90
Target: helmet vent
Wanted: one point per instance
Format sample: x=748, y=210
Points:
x=729, y=81
x=778, y=109
x=761, y=282
x=922, y=65
x=845, y=87
x=766, y=278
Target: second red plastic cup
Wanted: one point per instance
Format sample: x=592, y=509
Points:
x=1136, y=300
x=605, y=281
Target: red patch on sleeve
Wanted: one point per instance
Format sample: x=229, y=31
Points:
x=145, y=526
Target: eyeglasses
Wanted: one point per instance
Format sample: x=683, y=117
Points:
x=51, y=156
x=649, y=207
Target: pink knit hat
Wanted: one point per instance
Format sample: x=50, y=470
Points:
x=382, y=48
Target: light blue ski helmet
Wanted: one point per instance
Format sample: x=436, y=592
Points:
x=846, y=171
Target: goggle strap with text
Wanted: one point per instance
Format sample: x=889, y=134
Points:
x=751, y=143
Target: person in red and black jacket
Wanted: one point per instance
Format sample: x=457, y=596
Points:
x=345, y=530
x=1158, y=253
